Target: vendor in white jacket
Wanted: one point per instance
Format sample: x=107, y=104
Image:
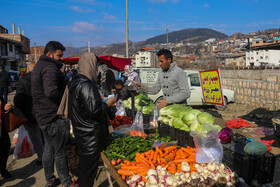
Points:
x=172, y=80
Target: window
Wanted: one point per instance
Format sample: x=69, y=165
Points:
x=266, y=57
x=257, y=53
x=252, y=58
x=10, y=47
x=261, y=57
x=194, y=79
x=257, y=42
x=248, y=58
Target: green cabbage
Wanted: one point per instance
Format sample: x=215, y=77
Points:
x=195, y=111
x=218, y=127
x=194, y=125
x=148, y=109
x=163, y=111
x=188, y=118
x=177, y=123
x=205, y=117
x=185, y=127
x=166, y=120
x=127, y=104
x=174, y=110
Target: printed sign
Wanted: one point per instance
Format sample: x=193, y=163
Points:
x=211, y=87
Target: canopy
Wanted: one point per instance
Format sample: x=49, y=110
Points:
x=112, y=62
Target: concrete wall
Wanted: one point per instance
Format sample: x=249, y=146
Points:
x=262, y=92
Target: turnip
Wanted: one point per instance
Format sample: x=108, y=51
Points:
x=162, y=184
x=180, y=182
x=159, y=167
x=211, y=166
x=153, y=179
x=136, y=178
x=194, y=175
x=177, y=176
x=198, y=168
x=175, y=184
x=185, y=167
x=128, y=181
x=229, y=184
x=162, y=172
x=141, y=184
x=133, y=184
x=187, y=175
x=169, y=180
x=152, y=172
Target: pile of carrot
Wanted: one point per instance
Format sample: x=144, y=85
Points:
x=138, y=133
x=169, y=157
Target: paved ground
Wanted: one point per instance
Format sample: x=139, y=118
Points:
x=26, y=173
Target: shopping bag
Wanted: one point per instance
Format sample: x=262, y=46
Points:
x=120, y=108
x=207, y=144
x=13, y=119
x=137, y=127
x=24, y=147
x=154, y=117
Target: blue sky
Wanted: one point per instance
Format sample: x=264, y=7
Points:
x=74, y=22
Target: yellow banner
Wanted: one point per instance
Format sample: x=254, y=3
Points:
x=211, y=87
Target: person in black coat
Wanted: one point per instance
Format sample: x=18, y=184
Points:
x=89, y=117
x=23, y=101
x=4, y=82
x=47, y=88
x=5, y=142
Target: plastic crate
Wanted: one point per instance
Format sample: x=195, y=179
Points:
x=249, y=167
x=184, y=138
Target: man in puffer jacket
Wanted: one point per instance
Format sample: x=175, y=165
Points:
x=47, y=88
x=89, y=116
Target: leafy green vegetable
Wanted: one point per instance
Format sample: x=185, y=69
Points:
x=177, y=123
x=185, y=127
x=218, y=127
x=127, y=104
x=195, y=111
x=256, y=148
x=205, y=117
x=188, y=118
x=195, y=125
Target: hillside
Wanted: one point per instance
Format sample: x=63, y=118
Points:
x=190, y=35
x=185, y=35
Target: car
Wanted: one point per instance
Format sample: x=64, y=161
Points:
x=196, y=97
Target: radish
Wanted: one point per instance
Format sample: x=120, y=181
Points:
x=136, y=178
x=133, y=184
x=170, y=180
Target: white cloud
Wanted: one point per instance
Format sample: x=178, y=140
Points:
x=84, y=27
x=77, y=9
x=107, y=16
x=206, y=5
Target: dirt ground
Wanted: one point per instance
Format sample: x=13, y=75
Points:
x=258, y=117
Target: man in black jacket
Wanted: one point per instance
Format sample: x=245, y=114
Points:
x=47, y=87
x=4, y=82
x=23, y=101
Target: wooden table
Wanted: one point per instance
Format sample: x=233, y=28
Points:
x=111, y=170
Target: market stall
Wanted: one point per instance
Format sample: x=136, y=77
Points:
x=114, y=63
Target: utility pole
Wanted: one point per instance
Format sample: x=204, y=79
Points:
x=167, y=36
x=35, y=52
x=126, y=23
x=88, y=48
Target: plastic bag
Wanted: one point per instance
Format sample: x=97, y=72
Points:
x=137, y=127
x=120, y=108
x=207, y=144
x=154, y=117
x=15, y=138
x=24, y=147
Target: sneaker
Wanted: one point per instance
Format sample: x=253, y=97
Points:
x=74, y=184
x=6, y=174
x=55, y=183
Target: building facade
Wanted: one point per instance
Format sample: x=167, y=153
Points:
x=13, y=48
x=146, y=58
x=263, y=57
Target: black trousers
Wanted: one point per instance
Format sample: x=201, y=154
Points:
x=88, y=166
x=56, y=150
x=5, y=144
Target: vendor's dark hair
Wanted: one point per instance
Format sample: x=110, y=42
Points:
x=166, y=53
x=52, y=46
x=119, y=82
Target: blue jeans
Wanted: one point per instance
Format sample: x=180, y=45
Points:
x=4, y=91
x=56, y=150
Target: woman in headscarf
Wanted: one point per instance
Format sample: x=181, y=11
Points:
x=106, y=79
x=89, y=116
x=131, y=74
